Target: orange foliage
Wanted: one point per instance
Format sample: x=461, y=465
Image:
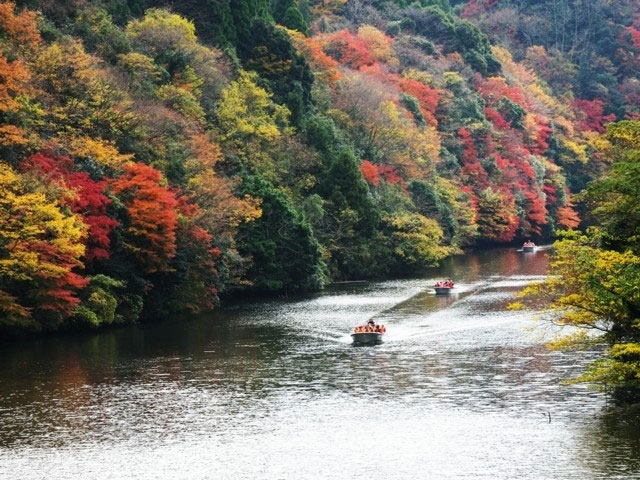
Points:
x=151, y=226
x=14, y=78
x=323, y=65
x=536, y=212
x=348, y=49
x=21, y=28
x=567, y=216
x=370, y=173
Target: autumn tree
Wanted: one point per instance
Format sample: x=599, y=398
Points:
x=150, y=221
x=41, y=246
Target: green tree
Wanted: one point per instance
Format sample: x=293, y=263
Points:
x=616, y=196
x=284, y=253
x=287, y=13
x=271, y=54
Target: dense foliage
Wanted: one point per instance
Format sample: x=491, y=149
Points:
x=152, y=158
x=595, y=282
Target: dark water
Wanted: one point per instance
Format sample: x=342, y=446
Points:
x=461, y=388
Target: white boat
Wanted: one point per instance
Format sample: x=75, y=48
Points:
x=529, y=248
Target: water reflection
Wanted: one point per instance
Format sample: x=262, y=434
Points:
x=460, y=388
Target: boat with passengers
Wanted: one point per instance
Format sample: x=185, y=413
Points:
x=444, y=287
x=369, y=334
x=529, y=246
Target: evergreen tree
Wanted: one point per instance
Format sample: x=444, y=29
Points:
x=271, y=54
x=287, y=13
x=284, y=252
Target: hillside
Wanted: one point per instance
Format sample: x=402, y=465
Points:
x=153, y=158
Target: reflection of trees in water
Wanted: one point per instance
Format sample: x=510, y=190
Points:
x=611, y=446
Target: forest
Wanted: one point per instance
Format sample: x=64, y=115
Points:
x=155, y=155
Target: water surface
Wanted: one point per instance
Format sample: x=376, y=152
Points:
x=273, y=389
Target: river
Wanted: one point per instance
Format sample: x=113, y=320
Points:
x=273, y=389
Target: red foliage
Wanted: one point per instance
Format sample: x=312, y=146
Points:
x=60, y=294
x=633, y=35
x=152, y=218
x=496, y=118
x=494, y=88
x=472, y=171
x=89, y=200
x=536, y=212
x=370, y=173
x=348, y=49
x=542, y=138
x=427, y=97
x=591, y=115
x=477, y=7
x=390, y=175
x=550, y=191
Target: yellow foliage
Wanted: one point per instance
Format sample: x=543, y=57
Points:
x=416, y=239
x=579, y=151
x=380, y=45
x=245, y=109
x=28, y=217
x=103, y=152
x=420, y=76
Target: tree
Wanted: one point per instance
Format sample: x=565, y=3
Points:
x=40, y=247
x=416, y=241
x=87, y=199
x=271, y=54
x=284, y=252
x=287, y=13
x=150, y=222
x=593, y=289
x=614, y=197
x=497, y=220
x=250, y=123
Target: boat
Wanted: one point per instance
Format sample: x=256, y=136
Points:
x=367, y=338
x=443, y=288
x=529, y=247
x=369, y=334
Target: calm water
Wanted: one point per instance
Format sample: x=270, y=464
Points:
x=273, y=390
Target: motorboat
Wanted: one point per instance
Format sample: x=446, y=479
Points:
x=529, y=247
x=367, y=338
x=369, y=334
x=444, y=288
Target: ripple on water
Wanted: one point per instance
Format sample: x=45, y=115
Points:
x=461, y=388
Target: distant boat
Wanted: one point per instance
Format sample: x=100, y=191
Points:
x=529, y=247
x=367, y=338
x=443, y=288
